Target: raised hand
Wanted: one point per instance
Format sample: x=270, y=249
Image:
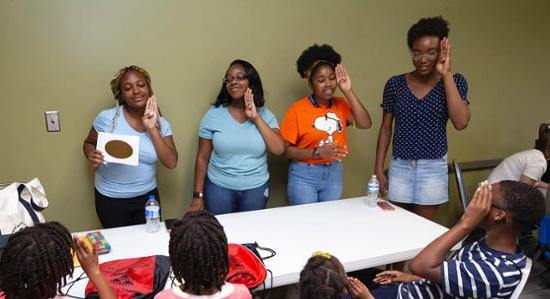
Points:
x=249, y=106
x=95, y=158
x=388, y=277
x=479, y=207
x=86, y=256
x=89, y=261
x=342, y=78
x=332, y=151
x=443, y=66
x=150, y=115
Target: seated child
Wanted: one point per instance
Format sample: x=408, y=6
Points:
x=38, y=259
x=488, y=268
x=198, y=253
x=324, y=277
x=527, y=166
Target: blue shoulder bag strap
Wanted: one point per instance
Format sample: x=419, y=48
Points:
x=26, y=204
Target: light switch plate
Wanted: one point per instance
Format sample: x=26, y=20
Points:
x=52, y=121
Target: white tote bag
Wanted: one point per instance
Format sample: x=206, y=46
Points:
x=21, y=205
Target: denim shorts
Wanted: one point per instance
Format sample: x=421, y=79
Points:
x=422, y=182
x=309, y=183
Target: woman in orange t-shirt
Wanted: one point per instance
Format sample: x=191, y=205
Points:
x=314, y=128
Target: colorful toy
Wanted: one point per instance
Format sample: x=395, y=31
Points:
x=98, y=240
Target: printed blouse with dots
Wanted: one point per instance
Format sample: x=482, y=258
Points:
x=420, y=124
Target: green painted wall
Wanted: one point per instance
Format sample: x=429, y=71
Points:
x=60, y=55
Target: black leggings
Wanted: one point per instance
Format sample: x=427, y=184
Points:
x=115, y=212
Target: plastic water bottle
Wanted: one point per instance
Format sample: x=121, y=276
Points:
x=372, y=191
x=152, y=215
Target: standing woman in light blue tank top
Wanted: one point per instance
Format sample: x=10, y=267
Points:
x=231, y=166
x=122, y=190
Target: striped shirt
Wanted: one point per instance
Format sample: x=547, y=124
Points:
x=477, y=271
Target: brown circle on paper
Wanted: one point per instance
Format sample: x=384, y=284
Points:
x=118, y=149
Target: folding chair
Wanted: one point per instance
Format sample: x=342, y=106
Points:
x=544, y=233
x=460, y=184
x=524, y=276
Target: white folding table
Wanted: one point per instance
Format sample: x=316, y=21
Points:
x=360, y=236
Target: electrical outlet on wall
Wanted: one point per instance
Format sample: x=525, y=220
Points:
x=52, y=121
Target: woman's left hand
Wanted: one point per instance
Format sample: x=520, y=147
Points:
x=250, y=106
x=150, y=115
x=342, y=78
x=444, y=64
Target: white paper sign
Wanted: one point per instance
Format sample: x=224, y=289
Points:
x=116, y=148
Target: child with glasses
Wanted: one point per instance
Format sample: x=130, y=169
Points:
x=420, y=103
x=489, y=268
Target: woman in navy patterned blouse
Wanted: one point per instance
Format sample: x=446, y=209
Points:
x=421, y=102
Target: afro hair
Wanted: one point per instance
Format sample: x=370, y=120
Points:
x=436, y=26
x=316, y=53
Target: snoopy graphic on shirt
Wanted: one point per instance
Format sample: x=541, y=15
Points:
x=328, y=123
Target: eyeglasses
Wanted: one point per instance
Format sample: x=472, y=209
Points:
x=418, y=55
x=498, y=207
x=238, y=78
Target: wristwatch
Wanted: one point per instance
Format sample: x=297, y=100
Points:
x=198, y=194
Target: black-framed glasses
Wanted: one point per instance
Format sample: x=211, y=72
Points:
x=237, y=78
x=498, y=207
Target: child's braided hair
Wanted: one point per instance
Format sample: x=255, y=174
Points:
x=323, y=277
x=36, y=261
x=198, y=252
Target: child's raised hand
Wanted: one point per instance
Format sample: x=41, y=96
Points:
x=387, y=277
x=358, y=289
x=479, y=207
x=86, y=256
x=90, y=264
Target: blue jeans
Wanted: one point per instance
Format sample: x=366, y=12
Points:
x=220, y=200
x=309, y=183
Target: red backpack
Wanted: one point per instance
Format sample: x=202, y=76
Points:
x=246, y=264
x=141, y=277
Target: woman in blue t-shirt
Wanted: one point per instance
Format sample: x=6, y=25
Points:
x=421, y=102
x=122, y=190
x=231, y=164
